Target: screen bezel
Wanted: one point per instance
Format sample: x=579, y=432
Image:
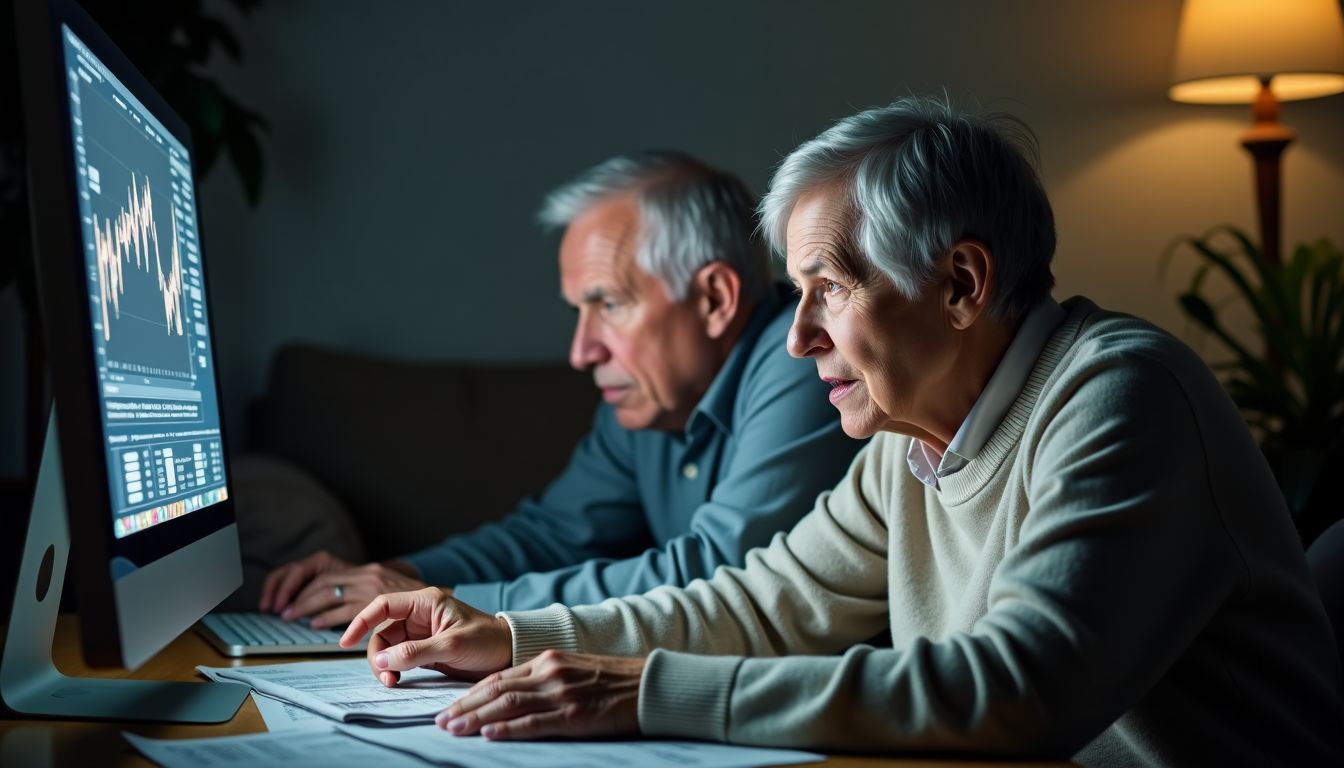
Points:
x=69, y=330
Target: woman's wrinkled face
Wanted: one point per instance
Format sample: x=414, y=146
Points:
x=881, y=352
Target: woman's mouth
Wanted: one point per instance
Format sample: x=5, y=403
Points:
x=840, y=388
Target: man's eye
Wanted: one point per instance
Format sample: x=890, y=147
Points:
x=833, y=287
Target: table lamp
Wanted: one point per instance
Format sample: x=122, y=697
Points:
x=1260, y=52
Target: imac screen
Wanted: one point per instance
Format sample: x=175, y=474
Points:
x=154, y=354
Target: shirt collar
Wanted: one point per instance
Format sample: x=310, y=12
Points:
x=994, y=401
x=716, y=405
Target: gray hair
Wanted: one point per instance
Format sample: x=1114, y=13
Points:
x=920, y=176
x=690, y=215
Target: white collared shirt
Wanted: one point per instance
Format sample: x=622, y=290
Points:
x=993, y=403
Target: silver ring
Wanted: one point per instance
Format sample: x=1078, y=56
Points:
x=338, y=591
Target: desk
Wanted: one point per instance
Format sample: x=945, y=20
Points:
x=39, y=743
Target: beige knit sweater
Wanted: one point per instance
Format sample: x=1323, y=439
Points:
x=1114, y=578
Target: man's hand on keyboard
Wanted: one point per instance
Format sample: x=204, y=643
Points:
x=330, y=590
x=429, y=628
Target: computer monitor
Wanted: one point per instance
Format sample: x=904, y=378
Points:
x=134, y=484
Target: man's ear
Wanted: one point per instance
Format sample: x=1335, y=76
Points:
x=969, y=283
x=717, y=291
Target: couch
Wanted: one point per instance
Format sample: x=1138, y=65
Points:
x=372, y=457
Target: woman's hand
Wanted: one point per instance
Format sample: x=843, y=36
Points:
x=431, y=629
x=557, y=694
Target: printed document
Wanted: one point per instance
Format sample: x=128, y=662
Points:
x=439, y=746
x=347, y=691
x=383, y=747
x=283, y=716
x=297, y=749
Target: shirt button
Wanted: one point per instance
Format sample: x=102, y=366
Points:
x=690, y=471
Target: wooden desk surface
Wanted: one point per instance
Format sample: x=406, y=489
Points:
x=40, y=743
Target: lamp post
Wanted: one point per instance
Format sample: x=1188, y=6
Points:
x=1260, y=52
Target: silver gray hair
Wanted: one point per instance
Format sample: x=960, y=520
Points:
x=919, y=176
x=690, y=215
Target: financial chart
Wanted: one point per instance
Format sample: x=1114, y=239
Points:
x=147, y=303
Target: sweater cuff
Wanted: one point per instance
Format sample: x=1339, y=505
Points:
x=686, y=695
x=486, y=598
x=542, y=629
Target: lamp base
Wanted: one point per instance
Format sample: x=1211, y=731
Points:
x=1266, y=141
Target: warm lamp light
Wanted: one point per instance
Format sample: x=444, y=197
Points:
x=1260, y=52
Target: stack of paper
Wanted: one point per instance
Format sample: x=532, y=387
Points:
x=346, y=691
x=427, y=745
x=329, y=714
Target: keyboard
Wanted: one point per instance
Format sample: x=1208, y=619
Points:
x=253, y=634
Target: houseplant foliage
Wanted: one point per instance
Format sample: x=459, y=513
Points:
x=169, y=43
x=1290, y=385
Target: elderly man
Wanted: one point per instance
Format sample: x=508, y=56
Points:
x=710, y=440
x=1063, y=521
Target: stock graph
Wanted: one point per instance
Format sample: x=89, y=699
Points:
x=134, y=235
x=139, y=234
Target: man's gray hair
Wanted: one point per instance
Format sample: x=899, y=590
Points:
x=690, y=215
x=920, y=176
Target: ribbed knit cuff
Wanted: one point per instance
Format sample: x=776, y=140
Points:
x=536, y=631
x=686, y=695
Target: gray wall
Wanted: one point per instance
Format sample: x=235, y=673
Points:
x=412, y=141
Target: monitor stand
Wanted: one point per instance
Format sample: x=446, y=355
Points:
x=31, y=685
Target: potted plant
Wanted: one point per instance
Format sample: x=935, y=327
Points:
x=1289, y=386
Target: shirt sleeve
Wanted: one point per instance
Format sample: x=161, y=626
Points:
x=592, y=509
x=789, y=448
x=1086, y=613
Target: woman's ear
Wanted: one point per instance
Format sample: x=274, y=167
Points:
x=970, y=281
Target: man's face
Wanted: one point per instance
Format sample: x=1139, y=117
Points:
x=882, y=353
x=650, y=355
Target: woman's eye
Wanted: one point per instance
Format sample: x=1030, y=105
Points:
x=833, y=288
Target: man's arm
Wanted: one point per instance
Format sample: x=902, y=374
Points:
x=789, y=448
x=591, y=509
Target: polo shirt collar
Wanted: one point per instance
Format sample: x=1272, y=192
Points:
x=717, y=404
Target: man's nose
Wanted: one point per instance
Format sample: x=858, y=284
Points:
x=586, y=349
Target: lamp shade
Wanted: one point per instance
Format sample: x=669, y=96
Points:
x=1226, y=47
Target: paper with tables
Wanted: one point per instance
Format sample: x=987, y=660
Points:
x=346, y=690
x=438, y=746
x=421, y=746
x=328, y=714
x=324, y=748
x=283, y=716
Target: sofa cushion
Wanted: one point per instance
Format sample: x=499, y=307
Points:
x=418, y=450
x=283, y=515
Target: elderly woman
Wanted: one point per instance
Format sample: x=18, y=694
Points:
x=1062, y=520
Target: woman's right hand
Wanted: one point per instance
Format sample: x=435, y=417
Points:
x=430, y=628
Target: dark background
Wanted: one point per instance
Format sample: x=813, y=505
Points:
x=409, y=145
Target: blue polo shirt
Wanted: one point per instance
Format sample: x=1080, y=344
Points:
x=637, y=509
